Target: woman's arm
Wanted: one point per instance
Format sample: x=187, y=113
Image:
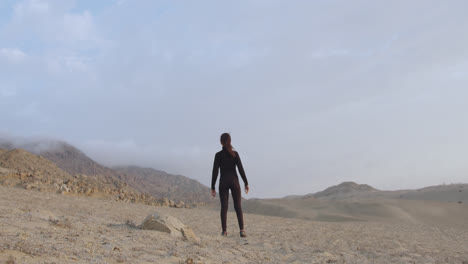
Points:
x=215, y=172
x=241, y=169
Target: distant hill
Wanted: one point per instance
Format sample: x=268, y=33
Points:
x=155, y=182
x=345, y=189
x=351, y=190
x=350, y=202
x=444, y=193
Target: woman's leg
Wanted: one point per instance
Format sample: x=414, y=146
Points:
x=224, y=198
x=236, y=197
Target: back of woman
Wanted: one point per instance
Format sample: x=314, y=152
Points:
x=226, y=160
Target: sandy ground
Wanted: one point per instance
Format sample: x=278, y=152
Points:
x=40, y=227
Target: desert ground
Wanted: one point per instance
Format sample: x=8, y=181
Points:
x=38, y=227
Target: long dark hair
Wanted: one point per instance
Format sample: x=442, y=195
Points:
x=226, y=142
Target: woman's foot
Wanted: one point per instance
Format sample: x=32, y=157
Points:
x=224, y=233
x=243, y=234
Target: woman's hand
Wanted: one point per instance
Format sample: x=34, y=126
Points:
x=213, y=192
x=246, y=189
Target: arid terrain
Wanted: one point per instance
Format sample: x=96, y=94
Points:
x=39, y=227
x=52, y=213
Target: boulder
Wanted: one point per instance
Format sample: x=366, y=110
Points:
x=168, y=224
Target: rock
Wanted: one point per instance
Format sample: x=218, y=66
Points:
x=171, y=203
x=189, y=261
x=164, y=202
x=88, y=191
x=6, y=183
x=64, y=188
x=188, y=234
x=168, y=224
x=181, y=204
x=29, y=186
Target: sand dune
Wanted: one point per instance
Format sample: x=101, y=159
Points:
x=40, y=227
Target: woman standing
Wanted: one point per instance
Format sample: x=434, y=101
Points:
x=226, y=160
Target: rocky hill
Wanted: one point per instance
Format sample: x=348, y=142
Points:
x=158, y=184
x=19, y=168
x=155, y=182
x=64, y=155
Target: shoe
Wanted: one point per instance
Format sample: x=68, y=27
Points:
x=224, y=233
x=243, y=234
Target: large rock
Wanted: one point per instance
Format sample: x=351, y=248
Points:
x=168, y=224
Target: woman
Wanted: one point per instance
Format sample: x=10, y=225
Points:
x=227, y=159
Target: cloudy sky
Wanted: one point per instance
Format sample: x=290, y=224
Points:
x=313, y=92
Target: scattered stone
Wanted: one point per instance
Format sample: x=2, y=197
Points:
x=189, y=261
x=29, y=186
x=64, y=188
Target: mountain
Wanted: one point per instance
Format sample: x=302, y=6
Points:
x=155, y=182
x=24, y=162
x=158, y=184
x=66, y=156
x=21, y=168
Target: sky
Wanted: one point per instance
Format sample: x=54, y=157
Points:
x=313, y=93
